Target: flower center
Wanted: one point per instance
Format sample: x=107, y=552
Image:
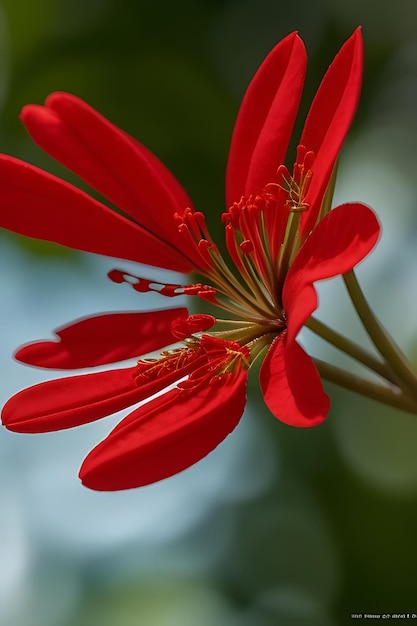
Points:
x=262, y=238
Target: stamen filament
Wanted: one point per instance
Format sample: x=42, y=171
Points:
x=244, y=336
x=231, y=287
x=259, y=289
x=289, y=247
x=243, y=263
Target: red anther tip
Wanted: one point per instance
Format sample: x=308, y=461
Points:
x=246, y=246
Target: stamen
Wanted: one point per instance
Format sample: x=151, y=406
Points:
x=176, y=361
x=233, y=248
x=193, y=227
x=182, y=327
x=209, y=294
x=238, y=354
x=247, y=241
x=297, y=185
x=246, y=246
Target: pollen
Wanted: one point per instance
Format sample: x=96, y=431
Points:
x=238, y=354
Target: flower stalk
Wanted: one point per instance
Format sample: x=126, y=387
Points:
x=352, y=349
x=381, y=339
x=390, y=395
x=400, y=388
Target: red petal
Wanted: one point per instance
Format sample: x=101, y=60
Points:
x=37, y=204
x=103, y=339
x=75, y=400
x=166, y=436
x=265, y=120
x=329, y=119
x=120, y=168
x=291, y=385
x=68, y=402
x=338, y=243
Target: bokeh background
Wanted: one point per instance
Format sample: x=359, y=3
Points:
x=278, y=526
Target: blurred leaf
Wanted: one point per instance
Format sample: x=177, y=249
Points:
x=379, y=444
x=285, y=542
x=163, y=602
x=30, y=23
x=4, y=57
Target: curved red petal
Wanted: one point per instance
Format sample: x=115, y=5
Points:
x=265, y=120
x=291, y=385
x=76, y=400
x=339, y=242
x=102, y=339
x=120, y=168
x=329, y=119
x=166, y=436
x=39, y=205
x=69, y=402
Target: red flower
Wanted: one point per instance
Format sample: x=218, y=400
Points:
x=279, y=235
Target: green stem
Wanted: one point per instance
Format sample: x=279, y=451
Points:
x=352, y=349
x=380, y=337
x=392, y=395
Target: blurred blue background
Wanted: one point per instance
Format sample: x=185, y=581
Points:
x=278, y=525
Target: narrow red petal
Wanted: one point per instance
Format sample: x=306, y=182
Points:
x=166, y=436
x=291, y=385
x=103, y=339
x=39, y=205
x=69, y=402
x=338, y=243
x=76, y=400
x=329, y=119
x=265, y=120
x=120, y=168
